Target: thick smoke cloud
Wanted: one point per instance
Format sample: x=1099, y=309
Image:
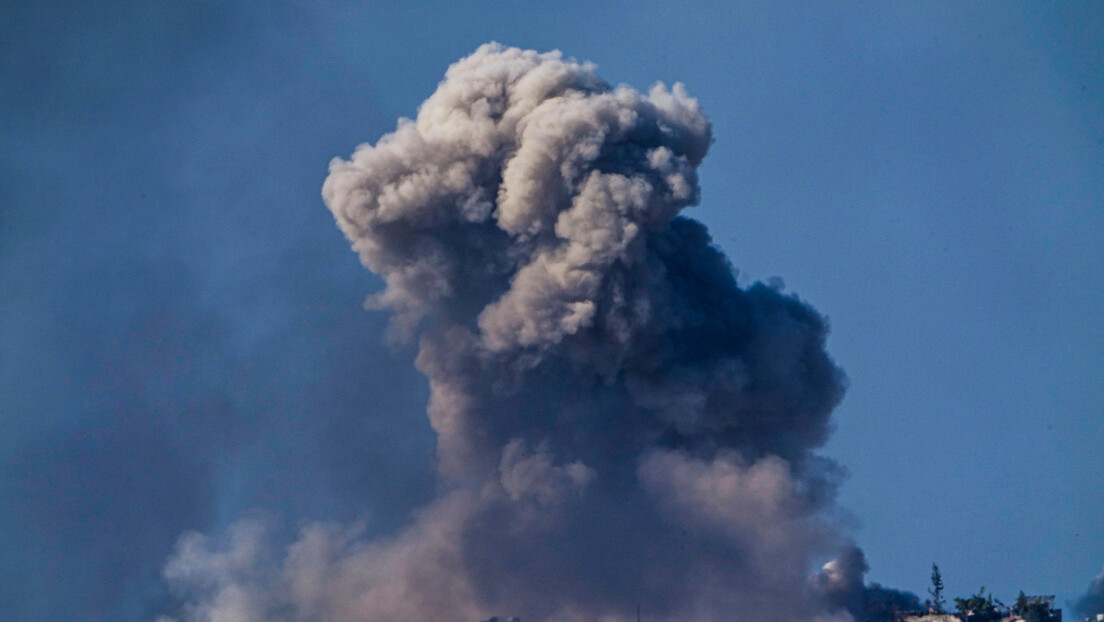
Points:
x=1091, y=602
x=840, y=582
x=619, y=423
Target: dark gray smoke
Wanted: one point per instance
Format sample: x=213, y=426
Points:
x=1092, y=602
x=840, y=582
x=619, y=423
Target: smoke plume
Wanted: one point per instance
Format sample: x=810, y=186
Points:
x=619, y=423
x=1091, y=602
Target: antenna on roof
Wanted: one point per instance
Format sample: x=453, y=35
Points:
x=637, y=612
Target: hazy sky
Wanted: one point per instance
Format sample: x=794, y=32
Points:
x=183, y=341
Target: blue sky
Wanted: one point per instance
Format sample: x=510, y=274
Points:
x=183, y=338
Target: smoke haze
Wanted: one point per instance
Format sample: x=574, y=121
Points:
x=618, y=422
x=1091, y=603
x=155, y=379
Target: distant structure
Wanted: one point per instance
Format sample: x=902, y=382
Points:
x=914, y=616
x=1036, y=609
x=1026, y=609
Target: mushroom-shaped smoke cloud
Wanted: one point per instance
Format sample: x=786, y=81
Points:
x=619, y=422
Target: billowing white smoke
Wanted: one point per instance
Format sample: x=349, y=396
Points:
x=619, y=423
